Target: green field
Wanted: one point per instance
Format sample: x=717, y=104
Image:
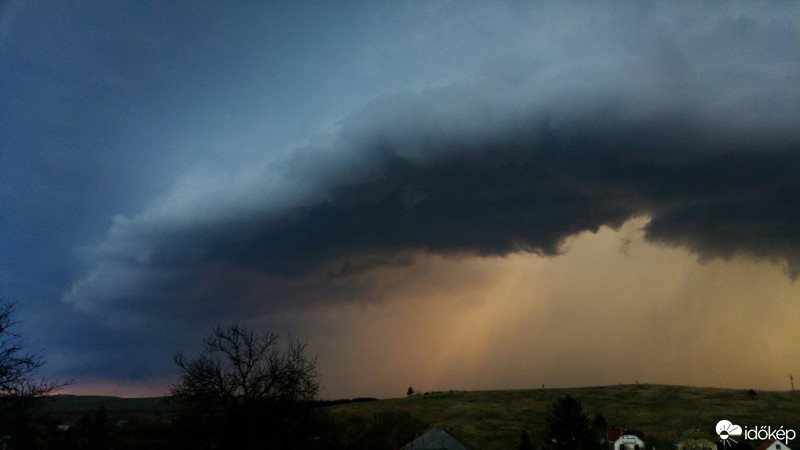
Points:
x=495, y=419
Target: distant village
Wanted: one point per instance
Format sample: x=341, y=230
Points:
x=616, y=439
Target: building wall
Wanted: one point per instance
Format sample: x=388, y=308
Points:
x=775, y=445
x=628, y=442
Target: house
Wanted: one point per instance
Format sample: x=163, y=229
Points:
x=436, y=439
x=627, y=442
x=693, y=439
x=773, y=444
x=612, y=435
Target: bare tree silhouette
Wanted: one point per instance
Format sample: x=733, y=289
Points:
x=244, y=391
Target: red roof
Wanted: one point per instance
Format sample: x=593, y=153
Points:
x=613, y=435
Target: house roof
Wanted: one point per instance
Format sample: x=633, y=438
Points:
x=766, y=444
x=436, y=439
x=613, y=435
x=685, y=435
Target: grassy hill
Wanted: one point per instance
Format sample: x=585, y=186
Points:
x=495, y=419
x=66, y=408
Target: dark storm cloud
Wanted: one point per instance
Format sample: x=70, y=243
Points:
x=528, y=190
x=690, y=120
x=525, y=183
x=221, y=162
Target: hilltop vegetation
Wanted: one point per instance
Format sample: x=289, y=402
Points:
x=66, y=407
x=496, y=419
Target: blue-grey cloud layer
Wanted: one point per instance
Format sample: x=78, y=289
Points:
x=465, y=183
x=262, y=158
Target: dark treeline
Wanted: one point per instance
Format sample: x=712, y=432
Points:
x=245, y=390
x=107, y=430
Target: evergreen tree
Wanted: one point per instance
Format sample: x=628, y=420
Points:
x=98, y=435
x=525, y=442
x=600, y=425
x=568, y=427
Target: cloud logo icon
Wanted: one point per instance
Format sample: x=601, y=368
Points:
x=726, y=429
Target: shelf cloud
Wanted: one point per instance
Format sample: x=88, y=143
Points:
x=366, y=173
x=454, y=171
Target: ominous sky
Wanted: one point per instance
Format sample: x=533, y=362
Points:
x=448, y=195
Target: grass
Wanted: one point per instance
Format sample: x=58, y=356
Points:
x=495, y=419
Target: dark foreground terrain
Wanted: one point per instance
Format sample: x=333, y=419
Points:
x=496, y=419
